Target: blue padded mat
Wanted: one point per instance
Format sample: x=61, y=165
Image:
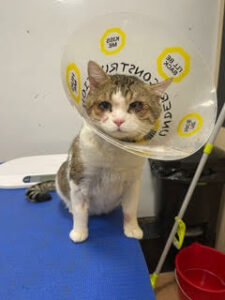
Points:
x=38, y=261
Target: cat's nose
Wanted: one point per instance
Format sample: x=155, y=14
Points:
x=119, y=122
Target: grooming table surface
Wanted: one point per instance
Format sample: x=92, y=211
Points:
x=38, y=261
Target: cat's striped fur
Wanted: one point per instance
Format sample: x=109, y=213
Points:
x=40, y=192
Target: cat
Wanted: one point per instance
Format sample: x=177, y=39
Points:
x=97, y=177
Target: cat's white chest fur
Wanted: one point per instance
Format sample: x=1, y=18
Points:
x=105, y=190
x=108, y=171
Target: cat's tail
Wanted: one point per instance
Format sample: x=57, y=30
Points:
x=40, y=192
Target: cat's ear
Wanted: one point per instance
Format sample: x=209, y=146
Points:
x=96, y=75
x=159, y=88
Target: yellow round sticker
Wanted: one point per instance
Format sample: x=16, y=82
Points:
x=112, y=41
x=173, y=62
x=73, y=81
x=189, y=125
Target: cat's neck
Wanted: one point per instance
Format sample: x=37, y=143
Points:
x=97, y=149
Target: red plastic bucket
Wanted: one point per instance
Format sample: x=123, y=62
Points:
x=201, y=273
x=181, y=292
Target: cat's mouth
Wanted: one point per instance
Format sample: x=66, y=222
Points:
x=120, y=134
x=120, y=130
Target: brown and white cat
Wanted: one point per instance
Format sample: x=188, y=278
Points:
x=98, y=176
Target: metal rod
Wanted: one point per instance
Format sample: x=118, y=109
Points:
x=190, y=191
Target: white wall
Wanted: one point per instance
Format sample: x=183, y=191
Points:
x=220, y=241
x=35, y=116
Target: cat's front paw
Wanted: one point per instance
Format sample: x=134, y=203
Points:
x=78, y=236
x=133, y=232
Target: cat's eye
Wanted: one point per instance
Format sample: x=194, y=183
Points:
x=136, y=106
x=104, y=105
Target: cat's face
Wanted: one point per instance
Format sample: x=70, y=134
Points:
x=123, y=106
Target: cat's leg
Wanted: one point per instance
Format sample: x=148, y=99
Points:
x=79, y=209
x=129, y=206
